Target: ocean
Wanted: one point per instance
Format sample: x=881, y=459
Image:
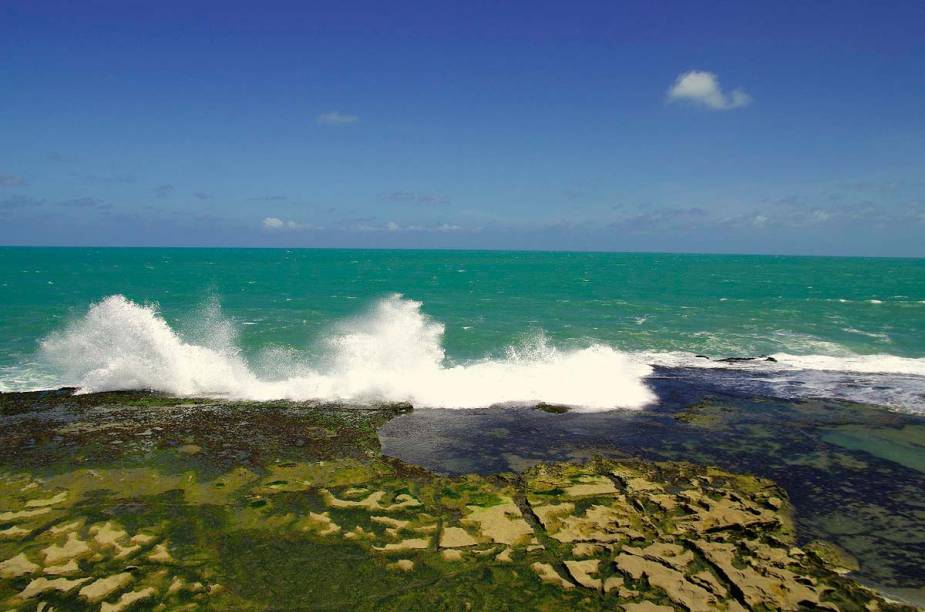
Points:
x=459, y=329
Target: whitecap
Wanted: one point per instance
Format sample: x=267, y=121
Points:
x=393, y=353
x=876, y=335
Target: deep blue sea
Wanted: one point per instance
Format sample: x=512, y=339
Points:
x=458, y=328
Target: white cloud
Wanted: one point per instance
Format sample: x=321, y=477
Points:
x=392, y=226
x=821, y=215
x=336, y=118
x=277, y=224
x=703, y=88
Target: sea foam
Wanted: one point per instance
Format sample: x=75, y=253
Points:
x=394, y=353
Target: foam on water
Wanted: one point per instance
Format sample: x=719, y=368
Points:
x=843, y=362
x=394, y=353
x=122, y=345
x=885, y=380
x=865, y=364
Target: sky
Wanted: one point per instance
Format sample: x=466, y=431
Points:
x=763, y=127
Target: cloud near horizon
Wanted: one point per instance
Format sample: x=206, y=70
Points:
x=411, y=197
x=11, y=180
x=336, y=118
x=276, y=224
x=702, y=88
x=270, y=198
x=84, y=203
x=18, y=201
x=164, y=191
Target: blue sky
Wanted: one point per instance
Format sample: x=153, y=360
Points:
x=784, y=127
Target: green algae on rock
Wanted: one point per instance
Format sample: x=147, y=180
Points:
x=331, y=523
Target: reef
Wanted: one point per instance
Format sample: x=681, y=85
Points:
x=137, y=501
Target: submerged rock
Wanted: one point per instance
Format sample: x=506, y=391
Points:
x=744, y=359
x=332, y=521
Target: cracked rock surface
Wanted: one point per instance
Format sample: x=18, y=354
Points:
x=103, y=506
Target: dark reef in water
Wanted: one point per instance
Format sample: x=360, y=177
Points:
x=855, y=473
x=119, y=500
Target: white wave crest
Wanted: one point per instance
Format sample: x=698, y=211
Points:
x=394, y=353
x=842, y=361
x=864, y=364
x=885, y=380
x=121, y=345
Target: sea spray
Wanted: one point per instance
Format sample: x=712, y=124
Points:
x=812, y=315
x=394, y=353
x=119, y=344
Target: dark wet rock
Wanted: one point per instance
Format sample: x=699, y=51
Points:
x=738, y=359
x=60, y=427
x=171, y=519
x=552, y=408
x=853, y=472
x=213, y=504
x=745, y=359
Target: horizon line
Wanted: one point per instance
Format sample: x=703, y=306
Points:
x=461, y=250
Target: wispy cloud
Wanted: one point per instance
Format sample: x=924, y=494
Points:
x=703, y=89
x=201, y=195
x=793, y=212
x=393, y=226
x=84, y=203
x=11, y=180
x=336, y=118
x=654, y=219
x=277, y=224
x=164, y=191
x=126, y=179
x=412, y=197
x=16, y=201
x=443, y=227
x=269, y=198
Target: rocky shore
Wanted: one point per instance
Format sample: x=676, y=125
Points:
x=124, y=501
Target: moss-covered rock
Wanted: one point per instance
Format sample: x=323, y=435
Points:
x=102, y=508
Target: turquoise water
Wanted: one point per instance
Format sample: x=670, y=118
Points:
x=267, y=307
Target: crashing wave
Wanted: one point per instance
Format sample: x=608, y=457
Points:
x=394, y=353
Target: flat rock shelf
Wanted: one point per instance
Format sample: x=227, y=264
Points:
x=122, y=501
